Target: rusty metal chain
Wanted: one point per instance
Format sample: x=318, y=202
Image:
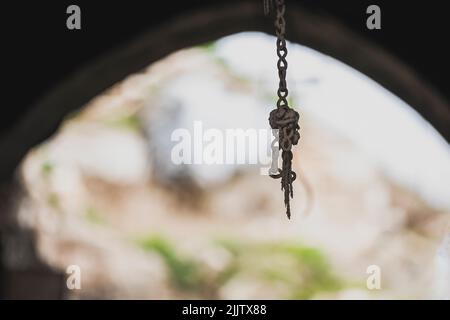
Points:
x=284, y=118
x=280, y=29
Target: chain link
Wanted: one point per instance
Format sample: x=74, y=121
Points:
x=282, y=65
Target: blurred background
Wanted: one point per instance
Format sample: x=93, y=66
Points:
x=103, y=194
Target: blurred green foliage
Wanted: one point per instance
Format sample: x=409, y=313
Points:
x=301, y=271
x=128, y=122
x=47, y=168
x=53, y=200
x=93, y=216
x=316, y=270
x=209, y=47
x=183, y=271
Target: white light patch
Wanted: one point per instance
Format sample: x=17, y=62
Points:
x=406, y=146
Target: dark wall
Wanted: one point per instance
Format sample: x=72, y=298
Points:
x=38, y=51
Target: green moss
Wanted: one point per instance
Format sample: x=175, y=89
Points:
x=127, y=122
x=232, y=246
x=184, y=272
x=47, y=168
x=276, y=275
x=317, y=275
x=304, y=271
x=53, y=200
x=93, y=216
x=209, y=47
x=291, y=102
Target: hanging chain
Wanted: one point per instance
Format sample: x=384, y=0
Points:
x=283, y=118
x=280, y=30
x=267, y=4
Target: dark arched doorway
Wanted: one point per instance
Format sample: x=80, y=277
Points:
x=316, y=31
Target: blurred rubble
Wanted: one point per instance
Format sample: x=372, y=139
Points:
x=103, y=194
